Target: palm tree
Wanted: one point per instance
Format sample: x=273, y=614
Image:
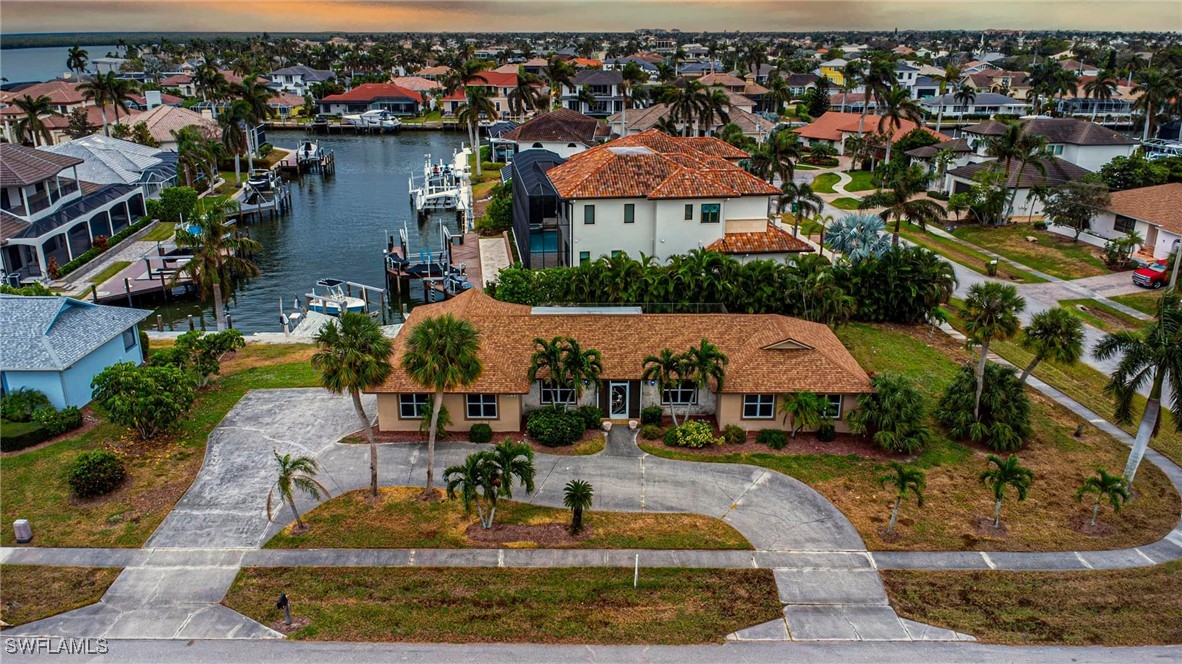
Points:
x=1104, y=485
x=581, y=366
x=295, y=474
x=1055, y=335
x=778, y=93
x=354, y=356
x=895, y=106
x=477, y=102
x=98, y=91
x=512, y=460
x=560, y=74
x=547, y=363
x=1155, y=87
x=990, y=312
x=120, y=91
x=951, y=75
x=585, y=98
x=32, y=125
x=76, y=59
x=210, y=82
x=715, y=110
x=705, y=363
x=1101, y=88
x=1154, y=356
x=898, y=201
x=442, y=353
x=198, y=154
x=964, y=96
x=577, y=495
x=1002, y=474
x=905, y=480
x=802, y=200
x=878, y=79
x=526, y=95
x=217, y=255
x=488, y=475
x=232, y=122
x=686, y=102
x=667, y=369
x=851, y=77
x=1015, y=145
x=806, y=409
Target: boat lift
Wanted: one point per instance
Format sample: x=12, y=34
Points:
x=441, y=277
x=342, y=303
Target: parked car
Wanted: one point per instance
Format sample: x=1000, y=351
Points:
x=1152, y=276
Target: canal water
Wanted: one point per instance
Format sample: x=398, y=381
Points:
x=24, y=65
x=337, y=225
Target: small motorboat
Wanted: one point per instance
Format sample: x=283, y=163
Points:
x=261, y=179
x=375, y=119
x=308, y=151
x=328, y=297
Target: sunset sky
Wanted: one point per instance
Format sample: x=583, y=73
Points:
x=20, y=16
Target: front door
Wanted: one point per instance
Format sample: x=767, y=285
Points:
x=617, y=399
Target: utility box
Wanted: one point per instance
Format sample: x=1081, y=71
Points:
x=23, y=531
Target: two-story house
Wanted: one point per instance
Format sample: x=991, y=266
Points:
x=48, y=216
x=298, y=79
x=498, y=84
x=606, y=88
x=834, y=70
x=107, y=160
x=1083, y=143
x=561, y=131
x=984, y=103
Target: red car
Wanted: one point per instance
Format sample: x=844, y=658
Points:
x=1152, y=276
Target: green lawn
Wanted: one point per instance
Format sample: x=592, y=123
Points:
x=823, y=183
x=1145, y=302
x=964, y=255
x=161, y=233
x=805, y=167
x=1129, y=607
x=1101, y=316
x=34, y=485
x=1054, y=254
x=400, y=520
x=577, y=605
x=107, y=272
x=861, y=181
x=33, y=592
x=846, y=203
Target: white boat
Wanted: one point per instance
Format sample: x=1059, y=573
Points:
x=308, y=151
x=261, y=179
x=442, y=186
x=328, y=297
x=375, y=119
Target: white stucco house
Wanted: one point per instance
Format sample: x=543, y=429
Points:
x=1082, y=143
x=1154, y=213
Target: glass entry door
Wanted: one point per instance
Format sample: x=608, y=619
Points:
x=618, y=400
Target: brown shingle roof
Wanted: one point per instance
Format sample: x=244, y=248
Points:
x=561, y=125
x=507, y=332
x=1058, y=172
x=20, y=165
x=774, y=240
x=1160, y=205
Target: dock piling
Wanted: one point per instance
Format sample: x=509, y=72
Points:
x=127, y=289
x=159, y=323
x=191, y=327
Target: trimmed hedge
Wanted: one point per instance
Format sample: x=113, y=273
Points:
x=773, y=438
x=480, y=433
x=651, y=415
x=554, y=427
x=95, y=473
x=92, y=252
x=57, y=422
x=19, y=435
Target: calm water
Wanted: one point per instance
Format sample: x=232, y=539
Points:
x=337, y=226
x=20, y=65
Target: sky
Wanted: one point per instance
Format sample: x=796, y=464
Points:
x=40, y=16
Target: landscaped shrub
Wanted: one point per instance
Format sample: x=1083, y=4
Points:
x=441, y=423
x=938, y=195
x=773, y=438
x=651, y=432
x=592, y=416
x=1005, y=408
x=734, y=434
x=826, y=433
x=19, y=405
x=88, y=255
x=554, y=427
x=894, y=414
x=480, y=433
x=651, y=415
x=95, y=473
x=1040, y=225
x=19, y=435
x=692, y=434
x=56, y=422
x=265, y=149
x=149, y=399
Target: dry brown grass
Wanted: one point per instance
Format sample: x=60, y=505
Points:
x=265, y=355
x=33, y=592
x=1110, y=608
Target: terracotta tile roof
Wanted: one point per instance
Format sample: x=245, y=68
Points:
x=871, y=126
x=416, y=83
x=723, y=79
x=60, y=92
x=176, y=80
x=286, y=99
x=587, y=62
x=163, y=120
x=20, y=165
x=818, y=362
x=94, y=117
x=827, y=127
x=774, y=240
x=1160, y=205
x=368, y=92
x=495, y=78
x=656, y=166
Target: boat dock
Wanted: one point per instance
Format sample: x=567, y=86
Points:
x=148, y=277
x=443, y=274
x=323, y=162
x=255, y=203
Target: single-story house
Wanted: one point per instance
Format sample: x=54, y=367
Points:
x=1058, y=171
x=372, y=97
x=57, y=345
x=162, y=121
x=769, y=356
x=1155, y=213
x=833, y=127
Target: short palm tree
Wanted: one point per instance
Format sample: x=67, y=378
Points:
x=298, y=474
x=1104, y=485
x=32, y=125
x=898, y=201
x=990, y=312
x=964, y=96
x=582, y=367
x=218, y=255
x=547, y=363
x=512, y=461
x=488, y=475
x=353, y=355
x=1055, y=335
x=806, y=410
x=1001, y=474
x=666, y=369
x=951, y=75
x=802, y=200
x=905, y=480
x=577, y=496
x=1151, y=356
x=442, y=353
x=705, y=363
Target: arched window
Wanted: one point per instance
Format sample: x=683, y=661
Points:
x=537, y=145
x=571, y=145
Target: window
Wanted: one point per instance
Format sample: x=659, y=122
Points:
x=629, y=213
x=1054, y=149
x=538, y=145
x=552, y=394
x=759, y=406
x=1124, y=224
x=833, y=407
x=680, y=395
x=482, y=406
x=410, y=406
x=584, y=257
x=689, y=212
x=617, y=253
x=711, y=213
x=588, y=214
x=129, y=338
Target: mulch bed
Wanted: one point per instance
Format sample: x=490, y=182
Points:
x=296, y=625
x=544, y=535
x=804, y=443
x=984, y=528
x=1082, y=524
x=395, y=437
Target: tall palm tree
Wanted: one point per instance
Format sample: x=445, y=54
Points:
x=298, y=474
x=686, y=102
x=801, y=200
x=585, y=98
x=878, y=79
x=999, y=475
x=1054, y=334
x=990, y=312
x=946, y=81
x=353, y=355
x=667, y=370
x=778, y=93
x=1016, y=146
x=1100, y=88
x=547, y=363
x=577, y=496
x=121, y=91
x=477, y=102
x=232, y=122
x=806, y=410
x=706, y=363
x=894, y=106
x=1155, y=87
x=442, y=353
x=98, y=91
x=1151, y=356
x=198, y=154
x=715, y=110
x=581, y=366
x=898, y=201
x=76, y=59
x=631, y=76
x=210, y=82
x=905, y=480
x=964, y=96
x=1104, y=485
x=560, y=74
x=217, y=258
x=851, y=78
x=32, y=125
x=526, y=95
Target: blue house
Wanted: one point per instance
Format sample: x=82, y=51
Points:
x=57, y=345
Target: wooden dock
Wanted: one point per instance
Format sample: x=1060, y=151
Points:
x=463, y=256
x=143, y=279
